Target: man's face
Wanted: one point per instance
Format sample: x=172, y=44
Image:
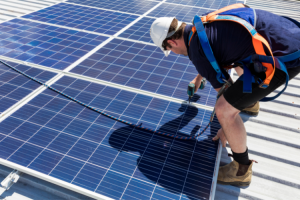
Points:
x=178, y=47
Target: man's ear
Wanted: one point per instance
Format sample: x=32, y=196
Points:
x=172, y=43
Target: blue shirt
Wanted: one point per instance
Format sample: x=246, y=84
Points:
x=231, y=42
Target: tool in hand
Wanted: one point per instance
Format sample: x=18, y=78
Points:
x=191, y=88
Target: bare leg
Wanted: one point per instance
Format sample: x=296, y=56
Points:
x=232, y=125
x=239, y=171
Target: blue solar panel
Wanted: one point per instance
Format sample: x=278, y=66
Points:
x=45, y=45
x=214, y=4
x=62, y=139
x=129, y=6
x=90, y=19
x=144, y=67
x=182, y=13
x=140, y=30
x=14, y=86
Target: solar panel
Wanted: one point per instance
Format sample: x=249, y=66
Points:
x=182, y=13
x=214, y=4
x=45, y=45
x=144, y=67
x=85, y=18
x=62, y=139
x=14, y=86
x=139, y=31
x=129, y=6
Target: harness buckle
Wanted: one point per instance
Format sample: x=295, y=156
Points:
x=263, y=85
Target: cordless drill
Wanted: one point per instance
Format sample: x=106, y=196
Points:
x=191, y=88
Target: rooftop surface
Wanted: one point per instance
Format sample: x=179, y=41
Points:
x=273, y=136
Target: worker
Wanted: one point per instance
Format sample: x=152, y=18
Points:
x=231, y=42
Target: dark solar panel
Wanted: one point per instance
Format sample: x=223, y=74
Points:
x=62, y=139
x=144, y=67
x=14, y=86
x=129, y=6
x=90, y=19
x=45, y=45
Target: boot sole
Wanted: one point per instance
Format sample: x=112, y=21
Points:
x=235, y=183
x=250, y=113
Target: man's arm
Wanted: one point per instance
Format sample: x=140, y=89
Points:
x=197, y=81
x=217, y=89
x=238, y=70
x=229, y=80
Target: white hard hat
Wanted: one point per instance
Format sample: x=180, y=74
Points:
x=159, y=31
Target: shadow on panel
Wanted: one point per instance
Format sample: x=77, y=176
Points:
x=173, y=168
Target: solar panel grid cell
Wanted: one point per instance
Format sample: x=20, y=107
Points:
x=85, y=18
x=140, y=30
x=14, y=86
x=129, y=6
x=45, y=45
x=144, y=67
x=57, y=138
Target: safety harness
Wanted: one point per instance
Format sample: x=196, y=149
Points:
x=245, y=16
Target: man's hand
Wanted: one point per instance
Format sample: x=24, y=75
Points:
x=197, y=81
x=221, y=135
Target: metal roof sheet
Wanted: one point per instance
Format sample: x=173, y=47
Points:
x=288, y=8
x=10, y=9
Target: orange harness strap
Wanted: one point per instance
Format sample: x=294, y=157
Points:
x=194, y=31
x=257, y=39
x=204, y=18
x=230, y=7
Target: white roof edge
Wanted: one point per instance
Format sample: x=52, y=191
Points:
x=54, y=180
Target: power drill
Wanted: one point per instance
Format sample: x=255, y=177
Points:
x=191, y=88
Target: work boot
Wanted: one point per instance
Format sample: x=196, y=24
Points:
x=235, y=174
x=252, y=110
